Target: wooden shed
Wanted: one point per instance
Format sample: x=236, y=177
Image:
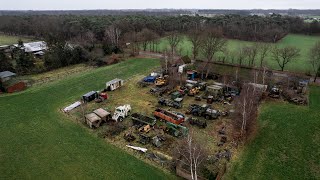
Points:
x=16, y=87
x=93, y=120
x=114, y=84
x=103, y=114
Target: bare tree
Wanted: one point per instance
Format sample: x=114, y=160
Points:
x=246, y=112
x=86, y=40
x=195, y=39
x=252, y=54
x=147, y=36
x=174, y=39
x=263, y=52
x=264, y=75
x=315, y=60
x=192, y=154
x=212, y=42
x=285, y=55
x=132, y=37
x=241, y=55
x=113, y=34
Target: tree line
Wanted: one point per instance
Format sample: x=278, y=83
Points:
x=75, y=39
x=253, y=28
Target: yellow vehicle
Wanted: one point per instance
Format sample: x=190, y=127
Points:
x=194, y=91
x=161, y=81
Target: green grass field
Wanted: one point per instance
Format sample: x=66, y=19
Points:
x=8, y=40
x=37, y=141
x=302, y=42
x=286, y=146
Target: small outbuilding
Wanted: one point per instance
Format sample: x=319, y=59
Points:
x=114, y=84
x=90, y=96
x=93, y=120
x=6, y=75
x=103, y=114
x=15, y=87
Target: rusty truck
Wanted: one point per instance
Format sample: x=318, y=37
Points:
x=173, y=117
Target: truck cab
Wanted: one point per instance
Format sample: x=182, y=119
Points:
x=121, y=112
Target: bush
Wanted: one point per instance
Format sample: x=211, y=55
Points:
x=114, y=58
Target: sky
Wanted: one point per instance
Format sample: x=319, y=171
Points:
x=156, y=4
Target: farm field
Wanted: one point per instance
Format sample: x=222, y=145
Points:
x=286, y=146
x=8, y=40
x=38, y=142
x=302, y=42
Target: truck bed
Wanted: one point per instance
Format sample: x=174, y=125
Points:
x=168, y=116
x=143, y=119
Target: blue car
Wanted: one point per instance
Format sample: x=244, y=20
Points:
x=150, y=79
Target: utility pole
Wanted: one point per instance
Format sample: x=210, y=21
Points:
x=166, y=59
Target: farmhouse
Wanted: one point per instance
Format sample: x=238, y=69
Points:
x=114, y=84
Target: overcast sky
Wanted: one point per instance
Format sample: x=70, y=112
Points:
x=156, y=4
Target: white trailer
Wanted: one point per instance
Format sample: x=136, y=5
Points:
x=114, y=84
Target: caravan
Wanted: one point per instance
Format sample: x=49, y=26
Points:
x=114, y=84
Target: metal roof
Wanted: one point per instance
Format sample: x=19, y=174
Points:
x=34, y=46
x=90, y=93
x=5, y=74
x=114, y=81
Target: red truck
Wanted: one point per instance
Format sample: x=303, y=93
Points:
x=173, y=117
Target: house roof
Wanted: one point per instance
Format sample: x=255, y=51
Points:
x=101, y=112
x=114, y=81
x=92, y=117
x=5, y=74
x=34, y=46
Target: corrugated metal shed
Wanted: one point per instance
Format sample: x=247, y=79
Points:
x=5, y=74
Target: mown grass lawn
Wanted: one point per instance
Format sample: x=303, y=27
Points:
x=303, y=42
x=38, y=142
x=287, y=145
x=9, y=40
